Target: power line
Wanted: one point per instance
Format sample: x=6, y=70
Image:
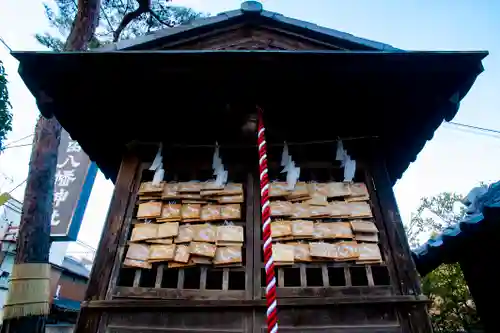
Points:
x=5, y=44
x=17, y=146
x=473, y=131
x=15, y=188
x=474, y=127
x=23, y=138
x=79, y=242
x=254, y=145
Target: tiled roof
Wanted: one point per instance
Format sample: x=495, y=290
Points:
x=483, y=215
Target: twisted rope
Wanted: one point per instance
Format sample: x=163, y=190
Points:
x=272, y=318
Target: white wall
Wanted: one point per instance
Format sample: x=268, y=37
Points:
x=57, y=252
x=10, y=216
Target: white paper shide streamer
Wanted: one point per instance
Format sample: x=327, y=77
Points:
x=218, y=167
x=292, y=172
x=157, y=167
x=346, y=161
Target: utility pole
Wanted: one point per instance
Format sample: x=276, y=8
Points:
x=27, y=304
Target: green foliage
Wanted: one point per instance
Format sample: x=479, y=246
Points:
x=452, y=309
x=433, y=215
x=112, y=12
x=5, y=107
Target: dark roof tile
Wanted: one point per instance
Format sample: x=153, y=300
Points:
x=481, y=219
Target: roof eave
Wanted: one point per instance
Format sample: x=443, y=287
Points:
x=33, y=61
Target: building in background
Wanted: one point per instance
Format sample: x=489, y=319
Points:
x=68, y=285
x=63, y=269
x=10, y=217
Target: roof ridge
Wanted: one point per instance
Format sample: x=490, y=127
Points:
x=248, y=8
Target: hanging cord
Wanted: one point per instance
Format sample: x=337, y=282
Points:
x=15, y=188
x=306, y=143
x=272, y=316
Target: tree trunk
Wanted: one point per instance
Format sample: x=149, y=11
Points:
x=33, y=243
x=86, y=21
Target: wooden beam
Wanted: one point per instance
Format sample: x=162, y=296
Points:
x=415, y=318
x=126, y=186
x=128, y=304
x=384, y=243
x=408, y=279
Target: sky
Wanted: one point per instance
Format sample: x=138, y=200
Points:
x=455, y=159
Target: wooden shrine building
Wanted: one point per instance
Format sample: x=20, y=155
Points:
x=191, y=86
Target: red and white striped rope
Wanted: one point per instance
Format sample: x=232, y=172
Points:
x=272, y=316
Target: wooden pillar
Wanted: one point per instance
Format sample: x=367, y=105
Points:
x=126, y=186
x=415, y=318
x=409, y=281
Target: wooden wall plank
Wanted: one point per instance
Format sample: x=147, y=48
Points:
x=203, y=278
x=303, y=275
x=137, y=278
x=341, y=329
x=238, y=37
x=180, y=279
x=347, y=277
x=369, y=275
x=159, y=275
x=183, y=320
x=340, y=318
x=281, y=277
x=225, y=279
x=324, y=275
x=339, y=292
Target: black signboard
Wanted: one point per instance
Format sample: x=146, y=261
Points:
x=75, y=175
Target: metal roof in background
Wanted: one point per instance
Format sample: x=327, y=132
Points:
x=75, y=267
x=66, y=304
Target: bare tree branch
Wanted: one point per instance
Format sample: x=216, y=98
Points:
x=107, y=19
x=144, y=7
x=129, y=17
x=128, y=6
x=153, y=14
